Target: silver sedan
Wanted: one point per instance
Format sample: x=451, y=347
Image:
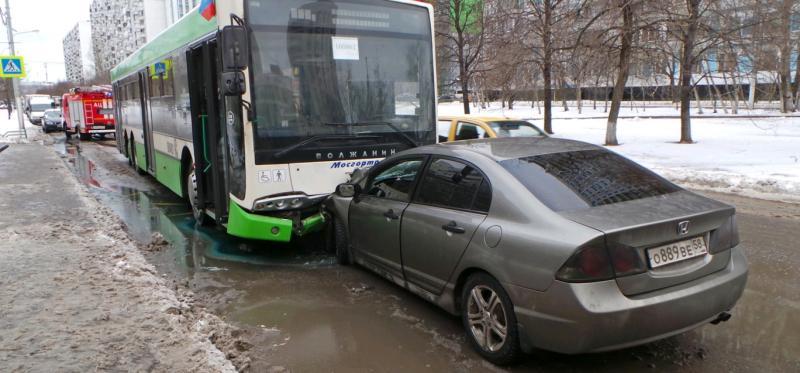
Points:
x=543, y=243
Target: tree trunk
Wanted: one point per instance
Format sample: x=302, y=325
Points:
x=687, y=64
x=465, y=92
x=787, y=102
x=796, y=87
x=697, y=99
x=579, y=96
x=547, y=68
x=735, y=98
x=751, y=94
x=623, y=69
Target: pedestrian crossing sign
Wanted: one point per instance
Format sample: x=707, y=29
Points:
x=12, y=67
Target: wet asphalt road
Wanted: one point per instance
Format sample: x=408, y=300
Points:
x=305, y=313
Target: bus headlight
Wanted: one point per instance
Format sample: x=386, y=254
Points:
x=286, y=202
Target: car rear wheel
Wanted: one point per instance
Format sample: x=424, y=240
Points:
x=489, y=319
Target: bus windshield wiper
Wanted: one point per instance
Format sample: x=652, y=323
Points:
x=313, y=139
x=377, y=123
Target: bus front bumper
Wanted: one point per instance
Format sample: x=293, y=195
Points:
x=244, y=224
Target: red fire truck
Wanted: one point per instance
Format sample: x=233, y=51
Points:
x=88, y=111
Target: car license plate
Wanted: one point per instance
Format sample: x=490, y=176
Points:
x=676, y=251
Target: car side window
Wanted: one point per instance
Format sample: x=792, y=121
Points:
x=453, y=184
x=395, y=182
x=443, y=130
x=469, y=131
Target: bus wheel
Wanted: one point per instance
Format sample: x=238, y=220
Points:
x=128, y=151
x=133, y=160
x=191, y=195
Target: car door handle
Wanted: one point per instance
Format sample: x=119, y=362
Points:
x=391, y=215
x=453, y=227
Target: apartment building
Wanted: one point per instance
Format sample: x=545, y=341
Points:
x=120, y=27
x=78, y=54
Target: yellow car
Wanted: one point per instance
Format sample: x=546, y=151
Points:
x=454, y=128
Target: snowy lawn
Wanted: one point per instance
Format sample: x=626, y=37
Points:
x=754, y=156
x=523, y=109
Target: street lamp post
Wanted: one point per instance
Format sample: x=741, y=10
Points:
x=15, y=81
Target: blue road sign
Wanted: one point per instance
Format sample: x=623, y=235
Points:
x=12, y=67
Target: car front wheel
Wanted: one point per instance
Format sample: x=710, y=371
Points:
x=341, y=243
x=489, y=319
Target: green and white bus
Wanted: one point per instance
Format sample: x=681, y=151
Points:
x=255, y=113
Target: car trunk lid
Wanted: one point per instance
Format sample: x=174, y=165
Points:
x=652, y=222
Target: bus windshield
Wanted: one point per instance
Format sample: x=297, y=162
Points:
x=339, y=69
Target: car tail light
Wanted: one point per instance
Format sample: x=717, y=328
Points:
x=626, y=260
x=724, y=237
x=589, y=263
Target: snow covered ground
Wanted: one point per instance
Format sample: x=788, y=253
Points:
x=523, y=109
x=759, y=157
x=9, y=128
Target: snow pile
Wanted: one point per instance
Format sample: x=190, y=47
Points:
x=759, y=157
x=9, y=129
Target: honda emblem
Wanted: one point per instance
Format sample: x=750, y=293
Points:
x=683, y=227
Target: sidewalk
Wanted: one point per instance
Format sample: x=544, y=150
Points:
x=77, y=295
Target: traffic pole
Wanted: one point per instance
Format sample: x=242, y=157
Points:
x=15, y=81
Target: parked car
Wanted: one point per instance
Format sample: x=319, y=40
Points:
x=478, y=127
x=540, y=242
x=52, y=120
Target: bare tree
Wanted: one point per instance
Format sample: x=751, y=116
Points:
x=556, y=27
x=785, y=44
x=464, y=41
x=623, y=69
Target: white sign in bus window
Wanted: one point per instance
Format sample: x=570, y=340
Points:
x=344, y=48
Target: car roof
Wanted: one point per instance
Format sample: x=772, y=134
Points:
x=500, y=149
x=481, y=118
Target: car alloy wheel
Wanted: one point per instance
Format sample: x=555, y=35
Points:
x=487, y=318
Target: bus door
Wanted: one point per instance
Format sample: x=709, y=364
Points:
x=144, y=83
x=208, y=133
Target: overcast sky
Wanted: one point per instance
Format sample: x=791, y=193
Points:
x=54, y=19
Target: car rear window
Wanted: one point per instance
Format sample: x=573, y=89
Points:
x=582, y=179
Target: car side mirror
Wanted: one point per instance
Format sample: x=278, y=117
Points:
x=348, y=190
x=235, y=49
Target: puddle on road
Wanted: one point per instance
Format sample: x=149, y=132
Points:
x=308, y=314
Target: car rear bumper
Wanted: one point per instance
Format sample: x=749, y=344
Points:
x=102, y=131
x=592, y=317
